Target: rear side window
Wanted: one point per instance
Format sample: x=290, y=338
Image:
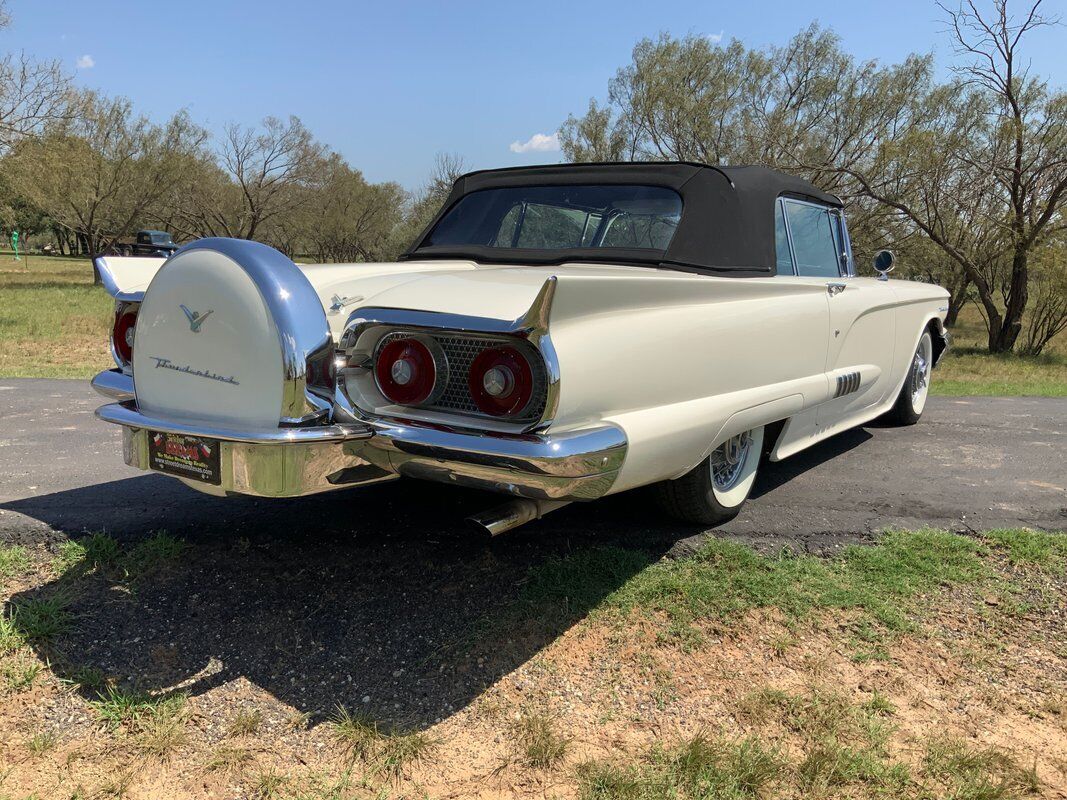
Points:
x=812, y=232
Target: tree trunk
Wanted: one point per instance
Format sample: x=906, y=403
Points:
x=956, y=301
x=1002, y=337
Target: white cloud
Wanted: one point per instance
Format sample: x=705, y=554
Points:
x=538, y=143
x=715, y=38
x=85, y=62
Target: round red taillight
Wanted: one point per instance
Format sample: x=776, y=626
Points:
x=501, y=381
x=406, y=371
x=122, y=335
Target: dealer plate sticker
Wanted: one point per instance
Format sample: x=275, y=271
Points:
x=185, y=456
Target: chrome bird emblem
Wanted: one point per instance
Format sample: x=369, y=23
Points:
x=196, y=319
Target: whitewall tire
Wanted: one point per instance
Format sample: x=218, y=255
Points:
x=912, y=398
x=714, y=491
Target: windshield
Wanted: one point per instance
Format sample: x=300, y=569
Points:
x=561, y=218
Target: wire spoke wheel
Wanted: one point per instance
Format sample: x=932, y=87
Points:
x=728, y=461
x=920, y=372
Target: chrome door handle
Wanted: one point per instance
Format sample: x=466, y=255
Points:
x=835, y=288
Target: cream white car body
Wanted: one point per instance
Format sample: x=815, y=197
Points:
x=673, y=362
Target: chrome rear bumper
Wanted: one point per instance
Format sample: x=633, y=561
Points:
x=289, y=462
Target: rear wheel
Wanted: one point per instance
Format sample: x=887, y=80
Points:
x=912, y=398
x=714, y=491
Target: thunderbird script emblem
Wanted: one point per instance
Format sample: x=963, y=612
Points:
x=196, y=319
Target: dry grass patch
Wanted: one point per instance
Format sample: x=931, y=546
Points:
x=390, y=753
x=541, y=745
x=228, y=759
x=246, y=723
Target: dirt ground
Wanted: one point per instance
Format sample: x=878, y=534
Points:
x=612, y=686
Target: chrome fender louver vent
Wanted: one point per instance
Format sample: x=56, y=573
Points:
x=847, y=383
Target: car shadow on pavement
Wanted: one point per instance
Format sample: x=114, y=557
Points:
x=774, y=474
x=380, y=600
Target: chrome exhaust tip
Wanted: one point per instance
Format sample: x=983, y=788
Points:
x=497, y=520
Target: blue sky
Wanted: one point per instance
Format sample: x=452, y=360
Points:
x=390, y=84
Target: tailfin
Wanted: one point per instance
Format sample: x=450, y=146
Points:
x=126, y=277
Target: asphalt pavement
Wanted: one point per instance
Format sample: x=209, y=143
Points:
x=971, y=463
x=381, y=599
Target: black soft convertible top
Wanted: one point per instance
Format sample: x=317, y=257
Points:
x=726, y=227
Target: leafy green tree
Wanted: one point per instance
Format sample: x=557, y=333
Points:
x=348, y=219
x=969, y=175
x=98, y=171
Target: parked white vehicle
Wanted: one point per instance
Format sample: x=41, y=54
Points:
x=557, y=333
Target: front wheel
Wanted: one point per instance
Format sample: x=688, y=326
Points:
x=714, y=491
x=912, y=398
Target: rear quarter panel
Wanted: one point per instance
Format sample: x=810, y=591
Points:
x=682, y=362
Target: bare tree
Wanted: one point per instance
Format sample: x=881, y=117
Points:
x=32, y=93
x=424, y=204
x=255, y=177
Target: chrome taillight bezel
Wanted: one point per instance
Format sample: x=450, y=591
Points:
x=367, y=327
x=437, y=357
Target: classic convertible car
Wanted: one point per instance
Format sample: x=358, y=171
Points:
x=557, y=333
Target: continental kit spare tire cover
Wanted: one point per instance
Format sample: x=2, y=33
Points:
x=224, y=328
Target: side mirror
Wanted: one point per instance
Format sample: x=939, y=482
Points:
x=883, y=264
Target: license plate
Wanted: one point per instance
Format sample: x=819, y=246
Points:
x=185, y=456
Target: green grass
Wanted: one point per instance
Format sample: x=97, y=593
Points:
x=152, y=554
x=699, y=767
x=838, y=750
x=11, y=638
x=246, y=722
x=157, y=722
x=1046, y=551
x=982, y=773
x=82, y=555
x=77, y=558
x=726, y=579
x=20, y=672
x=14, y=560
x=41, y=742
x=54, y=322
x=968, y=369
x=41, y=619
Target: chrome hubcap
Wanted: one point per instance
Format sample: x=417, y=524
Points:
x=728, y=460
x=920, y=371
